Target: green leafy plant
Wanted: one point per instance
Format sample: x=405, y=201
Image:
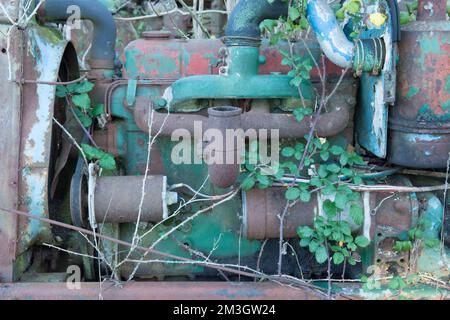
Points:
x=329, y=167
x=417, y=235
x=77, y=97
x=105, y=160
x=331, y=239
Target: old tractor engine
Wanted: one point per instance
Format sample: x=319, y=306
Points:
x=183, y=160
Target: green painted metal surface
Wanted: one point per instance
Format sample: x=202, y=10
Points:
x=238, y=80
x=220, y=227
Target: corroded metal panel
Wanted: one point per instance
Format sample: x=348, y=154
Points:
x=376, y=94
x=10, y=107
x=45, y=49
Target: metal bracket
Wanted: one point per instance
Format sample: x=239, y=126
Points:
x=131, y=92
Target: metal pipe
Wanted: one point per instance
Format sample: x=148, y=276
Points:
x=117, y=199
x=102, y=52
x=260, y=214
x=224, y=157
x=332, y=39
x=329, y=124
x=246, y=17
x=243, y=26
x=261, y=210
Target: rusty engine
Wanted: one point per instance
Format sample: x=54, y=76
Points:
x=128, y=189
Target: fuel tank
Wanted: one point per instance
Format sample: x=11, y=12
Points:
x=420, y=121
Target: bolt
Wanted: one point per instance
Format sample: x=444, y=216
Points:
x=161, y=103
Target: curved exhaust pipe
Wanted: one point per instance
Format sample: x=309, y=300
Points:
x=102, y=51
x=331, y=38
x=246, y=17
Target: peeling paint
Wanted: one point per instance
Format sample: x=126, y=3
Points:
x=47, y=68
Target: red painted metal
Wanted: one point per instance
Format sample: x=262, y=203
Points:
x=151, y=56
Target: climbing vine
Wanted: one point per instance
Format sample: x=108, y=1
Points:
x=79, y=102
x=315, y=165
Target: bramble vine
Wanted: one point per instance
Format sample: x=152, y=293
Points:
x=79, y=102
x=314, y=165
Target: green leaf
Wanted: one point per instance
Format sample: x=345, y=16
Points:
x=340, y=14
x=357, y=180
x=334, y=168
x=353, y=6
x=292, y=194
x=84, y=87
x=325, y=155
x=336, y=150
x=98, y=110
x=323, y=173
x=345, y=228
x=287, y=152
x=330, y=208
x=357, y=214
x=313, y=246
x=107, y=162
x=304, y=23
x=294, y=13
x=338, y=258
x=304, y=242
x=321, y=254
x=362, y=241
x=351, y=261
x=341, y=200
x=305, y=232
x=61, y=91
x=329, y=190
x=91, y=152
x=396, y=283
x=82, y=100
x=343, y=160
x=305, y=196
x=337, y=236
x=315, y=182
x=263, y=180
x=248, y=183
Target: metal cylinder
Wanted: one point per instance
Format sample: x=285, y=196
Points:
x=420, y=121
x=261, y=211
x=117, y=199
x=226, y=144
